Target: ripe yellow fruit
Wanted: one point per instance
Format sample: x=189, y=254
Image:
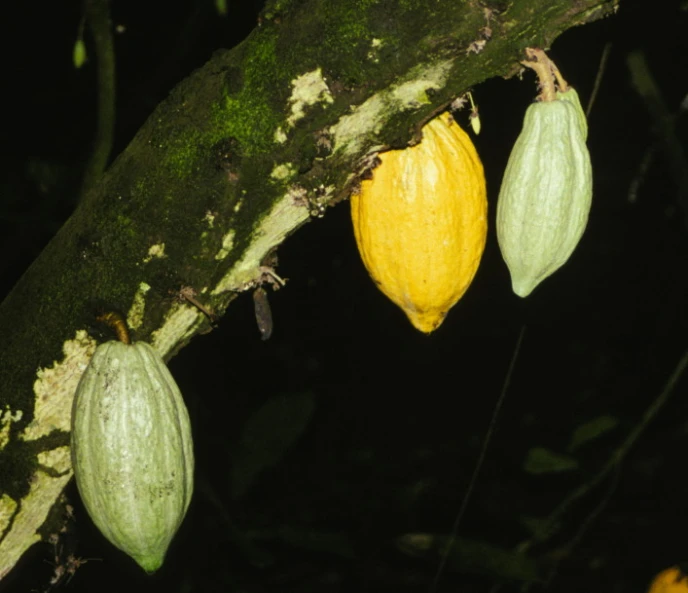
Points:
x=671, y=580
x=421, y=222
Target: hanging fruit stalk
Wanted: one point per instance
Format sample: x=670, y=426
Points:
x=421, y=222
x=546, y=192
x=131, y=447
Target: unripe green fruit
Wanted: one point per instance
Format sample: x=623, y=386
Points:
x=132, y=450
x=571, y=96
x=546, y=192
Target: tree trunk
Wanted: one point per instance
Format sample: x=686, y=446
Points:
x=239, y=156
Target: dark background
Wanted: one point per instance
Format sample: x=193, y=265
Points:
x=399, y=417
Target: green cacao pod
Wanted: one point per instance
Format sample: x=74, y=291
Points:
x=132, y=450
x=571, y=96
x=546, y=192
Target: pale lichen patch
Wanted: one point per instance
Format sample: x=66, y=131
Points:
x=308, y=89
x=54, y=391
x=6, y=419
x=349, y=132
x=155, y=251
x=55, y=386
x=227, y=245
x=7, y=508
x=280, y=136
x=209, y=218
x=283, y=171
x=412, y=93
x=19, y=525
x=366, y=119
x=180, y=325
x=138, y=306
x=285, y=216
x=374, y=52
x=56, y=460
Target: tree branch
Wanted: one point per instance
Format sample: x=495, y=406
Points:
x=239, y=156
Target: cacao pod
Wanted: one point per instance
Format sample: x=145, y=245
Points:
x=571, y=96
x=671, y=580
x=421, y=222
x=546, y=192
x=132, y=451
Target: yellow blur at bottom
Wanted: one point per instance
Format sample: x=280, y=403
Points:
x=671, y=580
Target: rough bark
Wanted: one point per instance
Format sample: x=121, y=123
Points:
x=238, y=157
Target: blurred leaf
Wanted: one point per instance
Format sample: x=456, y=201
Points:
x=253, y=554
x=221, y=7
x=534, y=524
x=317, y=541
x=409, y=495
x=591, y=430
x=543, y=461
x=45, y=175
x=471, y=556
x=79, y=53
x=267, y=436
x=417, y=544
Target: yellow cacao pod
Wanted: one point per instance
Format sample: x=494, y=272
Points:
x=421, y=222
x=546, y=192
x=132, y=451
x=671, y=580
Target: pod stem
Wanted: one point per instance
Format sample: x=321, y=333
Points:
x=547, y=73
x=117, y=323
